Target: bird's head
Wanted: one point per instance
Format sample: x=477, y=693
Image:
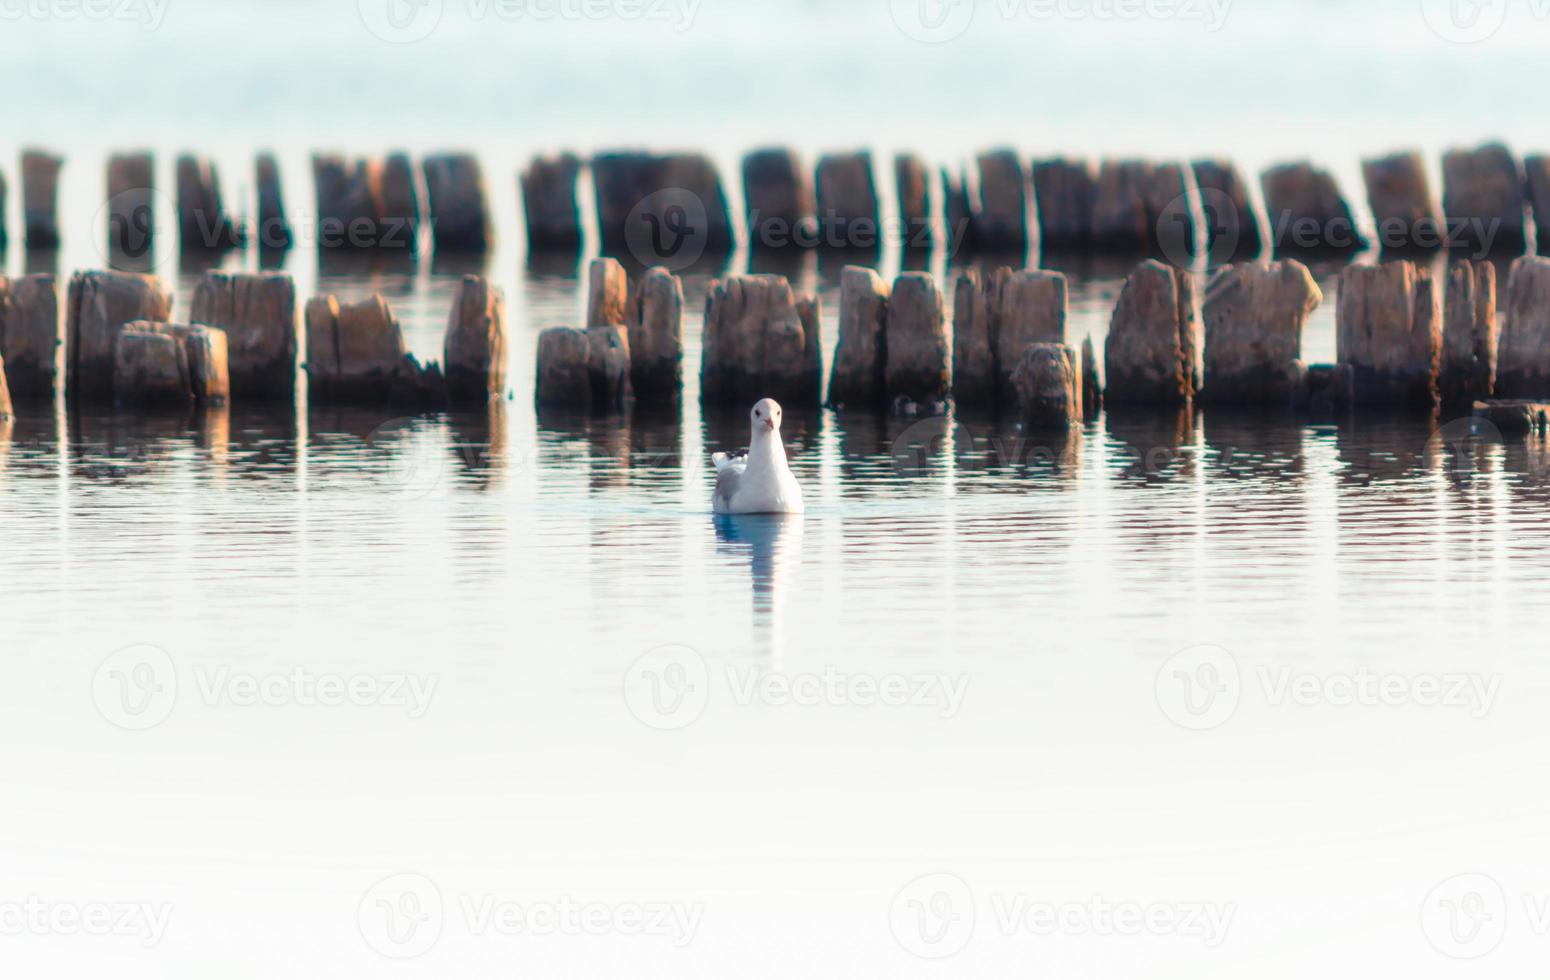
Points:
x=765, y=416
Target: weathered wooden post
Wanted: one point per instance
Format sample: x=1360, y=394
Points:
x=1389, y=329
x=356, y=353
x=622, y=182
x=167, y=365
x=1153, y=340
x=1402, y=203
x=608, y=293
x=1122, y=219
x=1523, y=357
x=976, y=300
x=1469, y=334
x=1254, y=318
x=957, y=212
x=1066, y=192
x=912, y=183
x=366, y=204
x=655, y=322
x=549, y=202
x=455, y=198
x=31, y=337
x=779, y=196
x=847, y=202
x=474, y=353
x=564, y=378
x=1049, y=387
x=131, y=205
x=99, y=304
x=857, y=380
x=40, y=198
x=1483, y=197
x=1092, y=389
x=810, y=314
x=756, y=344
x=260, y=316
x=1232, y=230
x=608, y=367
x=1307, y=212
x=1536, y=171
x=397, y=211
x=7, y=413
x=694, y=175
x=917, y=365
x=658, y=206
x=274, y=228
x=203, y=223
x=1170, y=216
x=1029, y=307
x=1001, y=221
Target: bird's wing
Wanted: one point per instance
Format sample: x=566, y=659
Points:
x=723, y=460
x=729, y=475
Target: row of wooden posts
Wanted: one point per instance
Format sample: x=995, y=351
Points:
x=117, y=343
x=1118, y=206
x=1403, y=340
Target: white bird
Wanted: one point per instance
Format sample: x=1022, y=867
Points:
x=758, y=481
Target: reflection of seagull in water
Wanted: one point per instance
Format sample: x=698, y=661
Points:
x=759, y=481
x=773, y=543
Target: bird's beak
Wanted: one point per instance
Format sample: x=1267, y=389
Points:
x=769, y=424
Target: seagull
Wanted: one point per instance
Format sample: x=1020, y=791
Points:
x=758, y=481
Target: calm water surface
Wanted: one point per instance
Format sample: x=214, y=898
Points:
x=523, y=567
x=1133, y=663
